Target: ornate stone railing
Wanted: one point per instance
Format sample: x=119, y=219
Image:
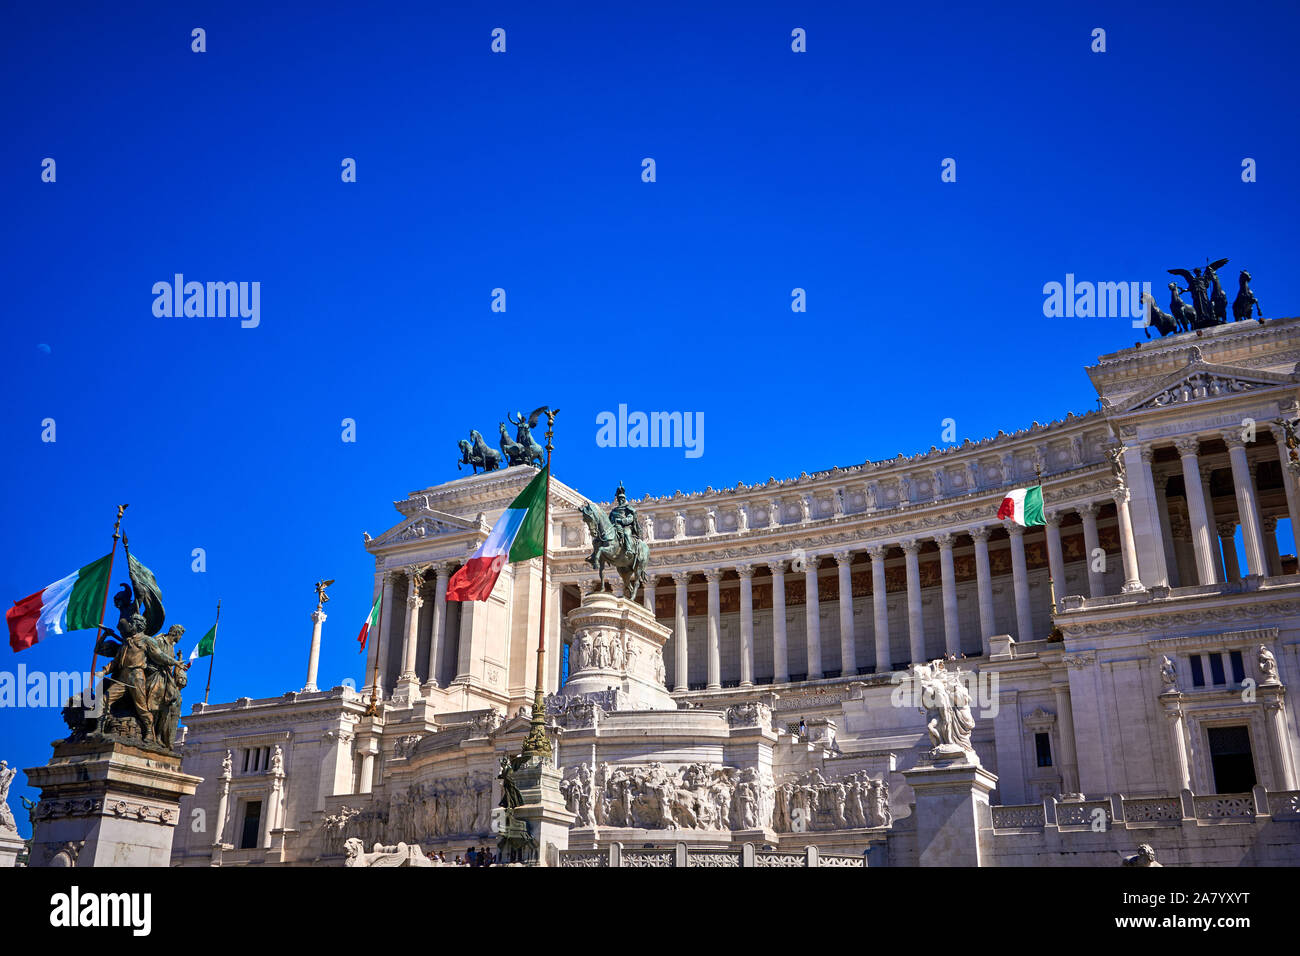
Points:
x=1209, y=808
x=1284, y=804
x=1153, y=810
x=683, y=855
x=1083, y=814
x=1018, y=816
x=1225, y=806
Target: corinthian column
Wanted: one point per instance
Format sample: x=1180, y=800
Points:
x=951, y=628
x=1092, y=544
x=780, y=654
x=1288, y=479
x=408, y=683
x=441, y=575
x=1228, y=543
x=313, y=659
x=713, y=576
x=375, y=642
x=680, y=683
x=984, y=585
x=1187, y=451
x=813, y=618
x=880, y=606
x=915, y=635
x=1020, y=580
x=1126, y=545
x=746, y=572
x=848, y=649
x=1247, y=510
x=1055, y=556
x=1271, y=553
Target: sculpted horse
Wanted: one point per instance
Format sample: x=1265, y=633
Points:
x=1162, y=320
x=489, y=458
x=514, y=453
x=606, y=550
x=1184, y=314
x=1245, y=299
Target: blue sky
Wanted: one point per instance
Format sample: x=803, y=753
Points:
x=522, y=171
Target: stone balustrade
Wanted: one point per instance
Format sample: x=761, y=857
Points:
x=683, y=855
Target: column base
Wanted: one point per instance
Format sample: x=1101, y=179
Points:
x=1132, y=587
x=407, y=689
x=543, y=810
x=107, y=803
x=953, y=820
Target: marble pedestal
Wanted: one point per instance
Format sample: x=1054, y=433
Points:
x=11, y=844
x=953, y=820
x=618, y=644
x=543, y=809
x=107, y=802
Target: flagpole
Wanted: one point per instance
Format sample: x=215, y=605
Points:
x=372, y=709
x=213, y=656
x=108, y=582
x=537, y=744
x=1055, y=633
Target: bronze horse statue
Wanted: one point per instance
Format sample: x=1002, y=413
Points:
x=514, y=453
x=1218, y=298
x=1245, y=299
x=1162, y=320
x=477, y=454
x=606, y=550
x=1184, y=315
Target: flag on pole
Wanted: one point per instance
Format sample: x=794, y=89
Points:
x=517, y=536
x=207, y=645
x=73, y=603
x=371, y=622
x=1024, y=506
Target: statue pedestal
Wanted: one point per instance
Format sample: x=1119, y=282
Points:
x=543, y=809
x=11, y=844
x=107, y=803
x=953, y=819
x=618, y=643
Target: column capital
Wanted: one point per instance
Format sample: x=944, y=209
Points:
x=910, y=546
x=746, y=571
x=1187, y=447
x=1089, y=509
x=980, y=532
x=945, y=540
x=1013, y=529
x=1268, y=522
x=318, y=616
x=1053, y=518
x=1121, y=495
x=414, y=601
x=1226, y=529
x=1232, y=438
x=1148, y=453
x=713, y=575
x=681, y=578
x=843, y=558
x=877, y=551
x=776, y=567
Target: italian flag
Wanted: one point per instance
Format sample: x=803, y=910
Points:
x=371, y=623
x=74, y=603
x=207, y=645
x=518, y=535
x=1024, y=506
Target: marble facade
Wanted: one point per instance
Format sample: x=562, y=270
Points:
x=779, y=616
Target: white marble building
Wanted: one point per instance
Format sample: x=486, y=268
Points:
x=788, y=608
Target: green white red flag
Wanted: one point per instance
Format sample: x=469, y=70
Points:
x=1024, y=506
x=73, y=603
